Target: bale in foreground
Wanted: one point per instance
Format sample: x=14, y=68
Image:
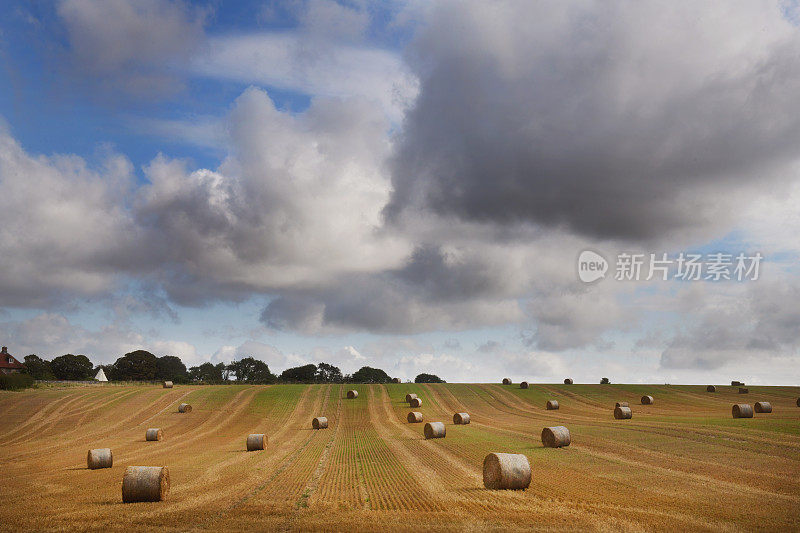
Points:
x=763, y=407
x=410, y=396
x=352, y=394
x=153, y=434
x=506, y=471
x=416, y=402
x=742, y=410
x=184, y=408
x=256, y=441
x=622, y=413
x=99, y=458
x=506, y=381
x=145, y=484
x=711, y=388
x=167, y=384
x=414, y=417
x=551, y=405
x=523, y=385
x=621, y=404
x=647, y=400
x=461, y=418
x=743, y=390
x=319, y=422
x=556, y=437
x=434, y=430
x=568, y=381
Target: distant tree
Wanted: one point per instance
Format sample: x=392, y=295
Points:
x=328, y=374
x=367, y=374
x=38, y=368
x=139, y=365
x=300, y=374
x=605, y=381
x=250, y=370
x=428, y=378
x=206, y=373
x=171, y=368
x=72, y=367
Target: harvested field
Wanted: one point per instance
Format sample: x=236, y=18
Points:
x=680, y=456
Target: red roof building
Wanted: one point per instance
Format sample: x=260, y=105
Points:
x=8, y=363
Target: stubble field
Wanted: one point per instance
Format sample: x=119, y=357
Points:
x=681, y=464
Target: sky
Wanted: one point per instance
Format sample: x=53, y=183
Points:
x=472, y=189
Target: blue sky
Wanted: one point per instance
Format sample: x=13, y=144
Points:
x=399, y=184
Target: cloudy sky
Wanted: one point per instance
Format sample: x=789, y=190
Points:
x=406, y=185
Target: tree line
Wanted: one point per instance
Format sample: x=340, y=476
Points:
x=141, y=365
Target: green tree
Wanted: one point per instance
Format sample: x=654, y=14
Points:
x=605, y=381
x=139, y=365
x=300, y=374
x=72, y=367
x=367, y=374
x=428, y=378
x=38, y=368
x=328, y=374
x=250, y=370
x=206, y=373
x=171, y=368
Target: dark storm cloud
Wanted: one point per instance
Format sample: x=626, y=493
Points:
x=613, y=120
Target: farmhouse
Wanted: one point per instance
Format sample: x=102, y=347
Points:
x=8, y=362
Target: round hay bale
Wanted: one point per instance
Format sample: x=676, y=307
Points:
x=352, y=394
x=523, y=385
x=763, y=407
x=711, y=388
x=184, y=408
x=742, y=410
x=414, y=417
x=416, y=402
x=256, y=441
x=556, y=437
x=552, y=405
x=319, y=422
x=167, y=384
x=506, y=471
x=568, y=381
x=623, y=413
x=461, y=419
x=647, y=400
x=410, y=396
x=621, y=404
x=145, y=484
x=153, y=434
x=743, y=390
x=506, y=381
x=434, y=430
x=99, y=458
x=397, y=380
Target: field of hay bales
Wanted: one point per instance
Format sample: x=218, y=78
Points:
x=683, y=463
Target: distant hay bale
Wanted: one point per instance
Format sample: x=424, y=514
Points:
x=410, y=396
x=167, y=384
x=145, y=484
x=621, y=404
x=623, y=413
x=416, y=402
x=742, y=410
x=511, y=471
x=434, y=430
x=555, y=437
x=153, y=434
x=736, y=383
x=763, y=407
x=256, y=441
x=523, y=385
x=184, y=408
x=568, y=381
x=397, y=380
x=743, y=390
x=461, y=419
x=552, y=405
x=711, y=388
x=99, y=458
x=647, y=400
x=506, y=381
x=352, y=394
x=319, y=422
x=414, y=417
